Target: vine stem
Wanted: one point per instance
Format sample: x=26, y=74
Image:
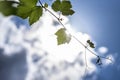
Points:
x=70, y=33
x=86, y=65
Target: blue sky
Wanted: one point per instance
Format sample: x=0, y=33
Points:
x=101, y=19
x=98, y=18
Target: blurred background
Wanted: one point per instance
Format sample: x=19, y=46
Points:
x=31, y=52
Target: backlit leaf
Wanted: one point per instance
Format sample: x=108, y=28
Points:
x=63, y=6
x=35, y=14
x=56, y=5
x=62, y=37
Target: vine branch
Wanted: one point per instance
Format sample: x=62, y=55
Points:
x=58, y=18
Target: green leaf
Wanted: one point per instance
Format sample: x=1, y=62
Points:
x=25, y=8
x=30, y=3
x=63, y=6
x=90, y=44
x=68, y=12
x=7, y=8
x=62, y=37
x=56, y=5
x=46, y=5
x=28, y=9
x=24, y=11
x=35, y=14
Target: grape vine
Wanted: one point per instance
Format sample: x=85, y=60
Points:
x=31, y=10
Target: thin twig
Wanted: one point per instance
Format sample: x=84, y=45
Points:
x=86, y=65
x=86, y=58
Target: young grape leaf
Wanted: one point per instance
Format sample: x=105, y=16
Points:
x=35, y=14
x=62, y=37
x=90, y=44
x=7, y=8
x=56, y=5
x=46, y=5
x=63, y=6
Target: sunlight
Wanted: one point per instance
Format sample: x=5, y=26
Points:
x=44, y=45
x=41, y=41
x=58, y=53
